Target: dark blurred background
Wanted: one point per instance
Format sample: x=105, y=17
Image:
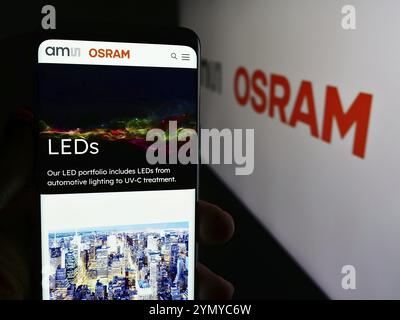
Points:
x=253, y=261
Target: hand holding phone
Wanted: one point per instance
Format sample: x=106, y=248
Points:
x=18, y=212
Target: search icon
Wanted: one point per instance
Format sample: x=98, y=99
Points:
x=173, y=55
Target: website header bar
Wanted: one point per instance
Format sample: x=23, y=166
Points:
x=116, y=53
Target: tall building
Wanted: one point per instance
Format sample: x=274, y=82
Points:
x=71, y=266
x=181, y=274
x=112, y=243
x=85, y=259
x=152, y=243
x=76, y=245
x=102, y=262
x=61, y=278
x=63, y=253
x=154, y=273
x=55, y=259
x=173, y=259
x=116, y=268
x=182, y=247
x=92, y=253
x=167, y=238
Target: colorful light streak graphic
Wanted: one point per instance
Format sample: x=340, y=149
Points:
x=133, y=130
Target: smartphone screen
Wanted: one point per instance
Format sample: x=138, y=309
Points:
x=113, y=225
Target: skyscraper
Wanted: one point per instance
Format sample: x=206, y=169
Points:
x=55, y=259
x=61, y=278
x=102, y=262
x=116, y=269
x=71, y=266
x=112, y=243
x=153, y=279
x=152, y=244
x=173, y=260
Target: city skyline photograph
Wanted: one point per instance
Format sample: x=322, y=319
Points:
x=135, y=262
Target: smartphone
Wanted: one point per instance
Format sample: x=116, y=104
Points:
x=117, y=202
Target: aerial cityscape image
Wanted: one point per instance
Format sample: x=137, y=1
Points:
x=137, y=262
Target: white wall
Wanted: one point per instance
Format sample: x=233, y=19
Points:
x=326, y=206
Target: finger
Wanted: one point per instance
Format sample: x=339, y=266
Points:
x=216, y=225
x=17, y=156
x=213, y=286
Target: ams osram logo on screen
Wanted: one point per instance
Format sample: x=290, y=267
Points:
x=93, y=52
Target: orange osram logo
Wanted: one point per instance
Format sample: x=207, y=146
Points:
x=109, y=53
x=251, y=88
